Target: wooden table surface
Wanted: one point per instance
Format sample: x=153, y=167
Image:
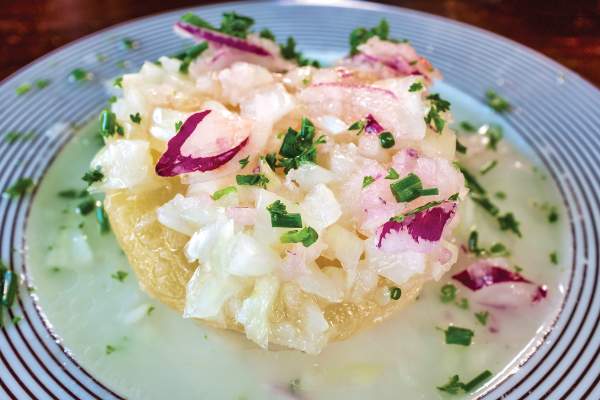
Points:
x=565, y=30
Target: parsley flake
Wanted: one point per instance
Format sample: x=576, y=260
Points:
x=415, y=87
x=307, y=236
x=244, y=161
x=280, y=218
x=496, y=102
x=437, y=106
x=135, y=118
x=482, y=317
x=79, y=75
x=367, y=180
x=457, y=335
x=92, y=176
x=252, y=180
x=119, y=276
x=19, y=188
x=361, y=35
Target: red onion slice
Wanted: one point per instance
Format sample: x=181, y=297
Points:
x=226, y=40
x=173, y=163
x=425, y=225
x=485, y=273
x=372, y=127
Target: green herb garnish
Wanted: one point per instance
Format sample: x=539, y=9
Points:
x=467, y=126
x=433, y=117
x=118, y=82
x=307, y=236
x=244, y=161
x=482, y=317
x=496, y=102
x=178, y=126
x=448, y=293
x=367, y=180
x=463, y=303
x=73, y=194
x=471, y=182
x=415, y=87
x=460, y=336
x=392, y=174
x=395, y=293
x=500, y=195
x=223, y=192
x=554, y=258
x=119, y=276
x=188, y=55
x=110, y=349
x=298, y=147
x=509, y=223
x=19, y=188
x=386, y=139
x=361, y=35
x=486, y=204
x=252, y=180
x=22, y=89
x=454, y=385
x=410, y=188
x=86, y=206
x=14, y=136
x=109, y=125
x=266, y=33
x=488, y=167
x=460, y=147
x=135, y=118
x=79, y=74
x=495, y=134
x=9, y=287
x=92, y=176
x=552, y=215
x=358, y=126
x=289, y=52
x=280, y=218
x=129, y=44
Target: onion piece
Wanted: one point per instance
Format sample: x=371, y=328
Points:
x=372, y=127
x=173, y=162
x=425, y=225
x=486, y=272
x=226, y=40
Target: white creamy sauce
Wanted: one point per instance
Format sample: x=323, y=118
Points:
x=158, y=354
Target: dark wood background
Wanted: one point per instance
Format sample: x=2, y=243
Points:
x=565, y=30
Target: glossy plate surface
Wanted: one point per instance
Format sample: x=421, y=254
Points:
x=556, y=115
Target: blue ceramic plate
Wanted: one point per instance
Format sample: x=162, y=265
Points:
x=556, y=119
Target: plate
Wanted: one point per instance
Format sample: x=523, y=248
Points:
x=556, y=116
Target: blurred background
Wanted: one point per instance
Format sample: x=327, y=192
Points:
x=565, y=30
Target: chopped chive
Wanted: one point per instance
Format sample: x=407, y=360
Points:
x=93, y=176
x=395, y=293
x=486, y=204
x=454, y=197
x=108, y=124
x=102, y=219
x=79, y=74
x=358, y=126
x=554, y=258
x=472, y=242
x=119, y=276
x=471, y=182
x=500, y=195
x=361, y=35
x=307, y=236
x=386, y=139
x=460, y=147
x=494, y=134
x=488, y=167
x=86, y=206
x=367, y=180
x=178, y=125
x=244, y=161
x=280, y=218
x=509, y=223
x=424, y=207
x=22, y=89
x=433, y=117
x=19, y=188
x=252, y=180
x=72, y=194
x=135, y=118
x=223, y=192
x=189, y=55
x=454, y=385
x=482, y=317
x=9, y=287
x=406, y=189
x=448, y=293
x=118, y=82
x=498, y=249
x=392, y=174
x=15, y=136
x=129, y=44
x=477, y=381
x=415, y=87
x=463, y=303
x=150, y=310
x=496, y=102
x=467, y=126
x=429, y=192
x=460, y=336
x=42, y=83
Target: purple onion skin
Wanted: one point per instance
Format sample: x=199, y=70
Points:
x=216, y=37
x=491, y=275
x=173, y=163
x=425, y=225
x=372, y=127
